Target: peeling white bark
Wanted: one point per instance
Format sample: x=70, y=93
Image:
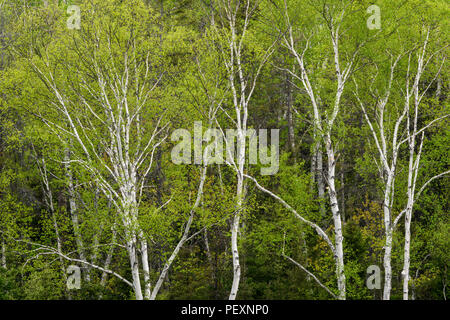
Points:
x=323, y=126
x=389, y=153
x=127, y=147
x=242, y=87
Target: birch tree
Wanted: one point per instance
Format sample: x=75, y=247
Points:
x=104, y=96
x=104, y=90
x=415, y=137
x=242, y=79
x=388, y=129
x=324, y=118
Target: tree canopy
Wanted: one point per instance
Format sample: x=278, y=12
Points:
x=313, y=138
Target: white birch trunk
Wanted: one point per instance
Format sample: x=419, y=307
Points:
x=320, y=180
x=387, y=267
x=323, y=127
x=242, y=87
x=338, y=234
x=113, y=99
x=134, y=264
x=234, y=242
x=145, y=267
x=239, y=202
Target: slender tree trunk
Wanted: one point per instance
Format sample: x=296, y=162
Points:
x=387, y=266
x=237, y=214
x=408, y=216
x=339, y=237
x=242, y=89
x=234, y=240
x=134, y=264
x=212, y=10
x=317, y=173
x=406, y=257
x=438, y=88
x=290, y=118
x=131, y=226
x=320, y=180
x=412, y=176
x=313, y=170
x=145, y=266
x=388, y=196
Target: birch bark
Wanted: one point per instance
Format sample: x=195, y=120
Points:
x=323, y=126
x=404, y=121
x=242, y=83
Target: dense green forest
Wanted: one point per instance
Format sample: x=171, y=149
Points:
x=224, y=149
